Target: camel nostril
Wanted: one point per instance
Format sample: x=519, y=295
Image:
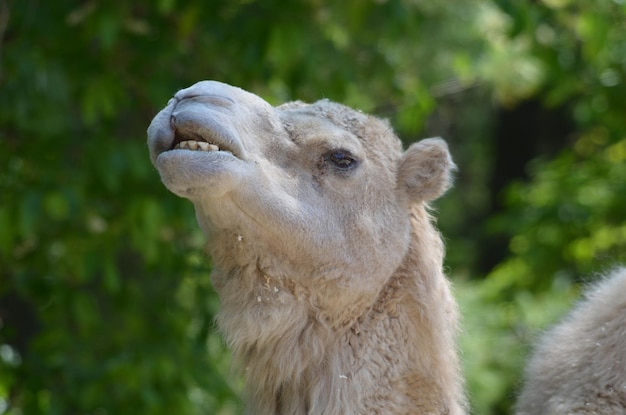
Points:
x=173, y=121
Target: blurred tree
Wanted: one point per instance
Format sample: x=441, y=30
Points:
x=569, y=218
x=105, y=304
x=566, y=221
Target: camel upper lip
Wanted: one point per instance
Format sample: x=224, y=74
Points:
x=194, y=120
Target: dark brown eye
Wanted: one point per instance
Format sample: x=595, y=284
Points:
x=342, y=159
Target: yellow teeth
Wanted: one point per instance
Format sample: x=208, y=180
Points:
x=196, y=146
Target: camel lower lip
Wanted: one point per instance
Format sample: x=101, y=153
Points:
x=188, y=172
x=185, y=155
x=207, y=152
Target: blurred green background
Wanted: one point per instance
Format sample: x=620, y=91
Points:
x=105, y=304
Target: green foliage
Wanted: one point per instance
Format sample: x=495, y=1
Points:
x=96, y=255
x=568, y=222
x=105, y=302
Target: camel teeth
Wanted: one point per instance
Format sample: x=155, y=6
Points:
x=203, y=146
x=196, y=146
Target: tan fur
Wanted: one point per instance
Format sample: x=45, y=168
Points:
x=333, y=298
x=579, y=367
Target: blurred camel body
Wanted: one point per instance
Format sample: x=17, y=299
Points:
x=326, y=261
x=579, y=367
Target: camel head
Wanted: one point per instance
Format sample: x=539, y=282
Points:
x=323, y=190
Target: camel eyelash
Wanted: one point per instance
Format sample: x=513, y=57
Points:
x=341, y=159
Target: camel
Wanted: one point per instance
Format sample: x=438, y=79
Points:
x=579, y=367
x=325, y=257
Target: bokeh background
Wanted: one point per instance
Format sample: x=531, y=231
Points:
x=105, y=303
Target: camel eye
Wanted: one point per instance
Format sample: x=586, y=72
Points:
x=342, y=159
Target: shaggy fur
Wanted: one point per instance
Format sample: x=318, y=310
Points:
x=327, y=265
x=580, y=366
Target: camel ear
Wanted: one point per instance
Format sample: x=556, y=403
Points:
x=425, y=171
